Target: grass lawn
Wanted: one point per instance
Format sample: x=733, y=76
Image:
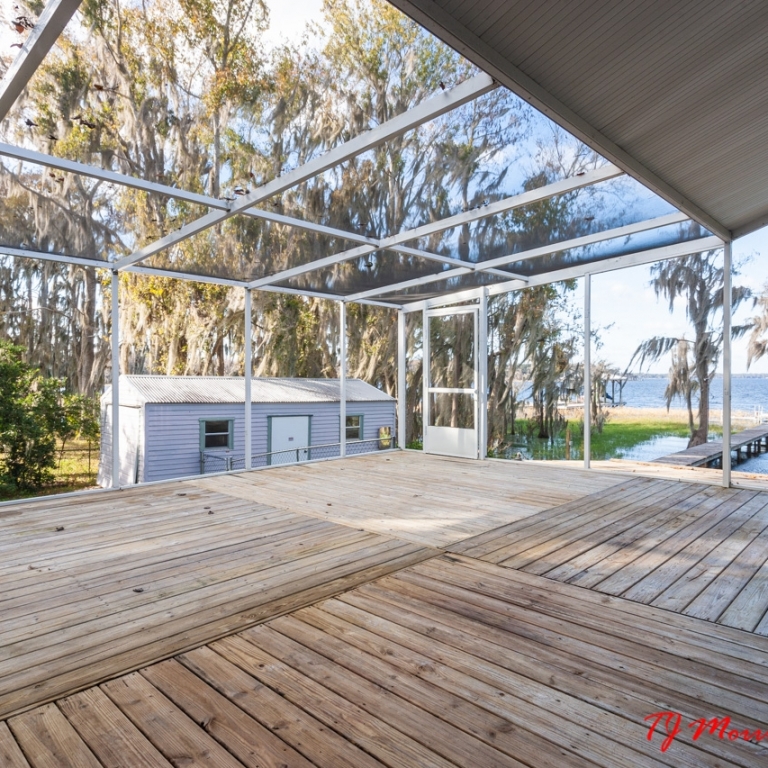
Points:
x=74, y=472
x=616, y=439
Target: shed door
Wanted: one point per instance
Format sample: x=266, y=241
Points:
x=288, y=439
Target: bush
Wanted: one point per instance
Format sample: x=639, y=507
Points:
x=34, y=413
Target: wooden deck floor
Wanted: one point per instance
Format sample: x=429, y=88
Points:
x=136, y=576
x=242, y=620
x=431, y=500
x=694, y=549
x=453, y=662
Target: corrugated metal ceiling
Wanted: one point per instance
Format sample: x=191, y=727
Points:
x=675, y=92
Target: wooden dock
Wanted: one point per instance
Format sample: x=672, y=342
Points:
x=746, y=444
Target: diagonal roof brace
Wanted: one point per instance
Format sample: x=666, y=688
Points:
x=155, y=188
x=546, y=250
x=436, y=18
x=40, y=40
x=568, y=273
x=603, y=173
x=438, y=105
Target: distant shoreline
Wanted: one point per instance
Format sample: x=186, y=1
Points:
x=638, y=376
x=635, y=414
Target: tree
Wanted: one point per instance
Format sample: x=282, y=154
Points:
x=697, y=280
x=758, y=338
x=31, y=417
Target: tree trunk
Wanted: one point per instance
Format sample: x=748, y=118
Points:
x=699, y=435
x=86, y=378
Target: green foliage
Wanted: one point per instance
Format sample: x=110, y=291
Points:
x=34, y=414
x=29, y=419
x=614, y=441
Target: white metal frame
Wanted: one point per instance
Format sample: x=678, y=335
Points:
x=429, y=110
x=40, y=40
x=432, y=441
x=727, y=312
x=247, y=376
x=402, y=342
x=47, y=30
x=492, y=209
x=115, y=344
x=587, y=370
x=343, y=377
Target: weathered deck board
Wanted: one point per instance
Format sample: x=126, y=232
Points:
x=542, y=640
x=139, y=576
x=452, y=662
x=696, y=549
x=702, y=475
x=431, y=500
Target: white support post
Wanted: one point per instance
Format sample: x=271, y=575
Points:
x=424, y=378
x=115, y=340
x=343, y=378
x=587, y=370
x=482, y=376
x=401, y=383
x=727, y=309
x=248, y=374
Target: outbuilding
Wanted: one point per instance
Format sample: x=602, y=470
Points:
x=177, y=426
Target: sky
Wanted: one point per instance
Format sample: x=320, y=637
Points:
x=624, y=303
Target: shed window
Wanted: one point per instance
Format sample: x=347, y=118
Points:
x=216, y=434
x=354, y=427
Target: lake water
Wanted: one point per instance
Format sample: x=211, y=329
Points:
x=748, y=393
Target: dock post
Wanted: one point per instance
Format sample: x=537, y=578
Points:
x=727, y=259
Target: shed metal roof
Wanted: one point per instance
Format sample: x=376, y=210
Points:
x=673, y=92
x=230, y=389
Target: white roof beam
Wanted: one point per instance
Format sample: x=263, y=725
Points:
x=157, y=272
x=438, y=21
x=501, y=206
x=329, y=296
x=608, y=265
x=39, y=41
x=619, y=262
x=28, y=253
x=491, y=265
x=70, y=166
x=428, y=110
x=60, y=258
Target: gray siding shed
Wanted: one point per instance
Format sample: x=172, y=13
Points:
x=160, y=418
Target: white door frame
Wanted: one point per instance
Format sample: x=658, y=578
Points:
x=451, y=441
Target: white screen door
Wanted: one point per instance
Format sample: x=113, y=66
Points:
x=451, y=381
